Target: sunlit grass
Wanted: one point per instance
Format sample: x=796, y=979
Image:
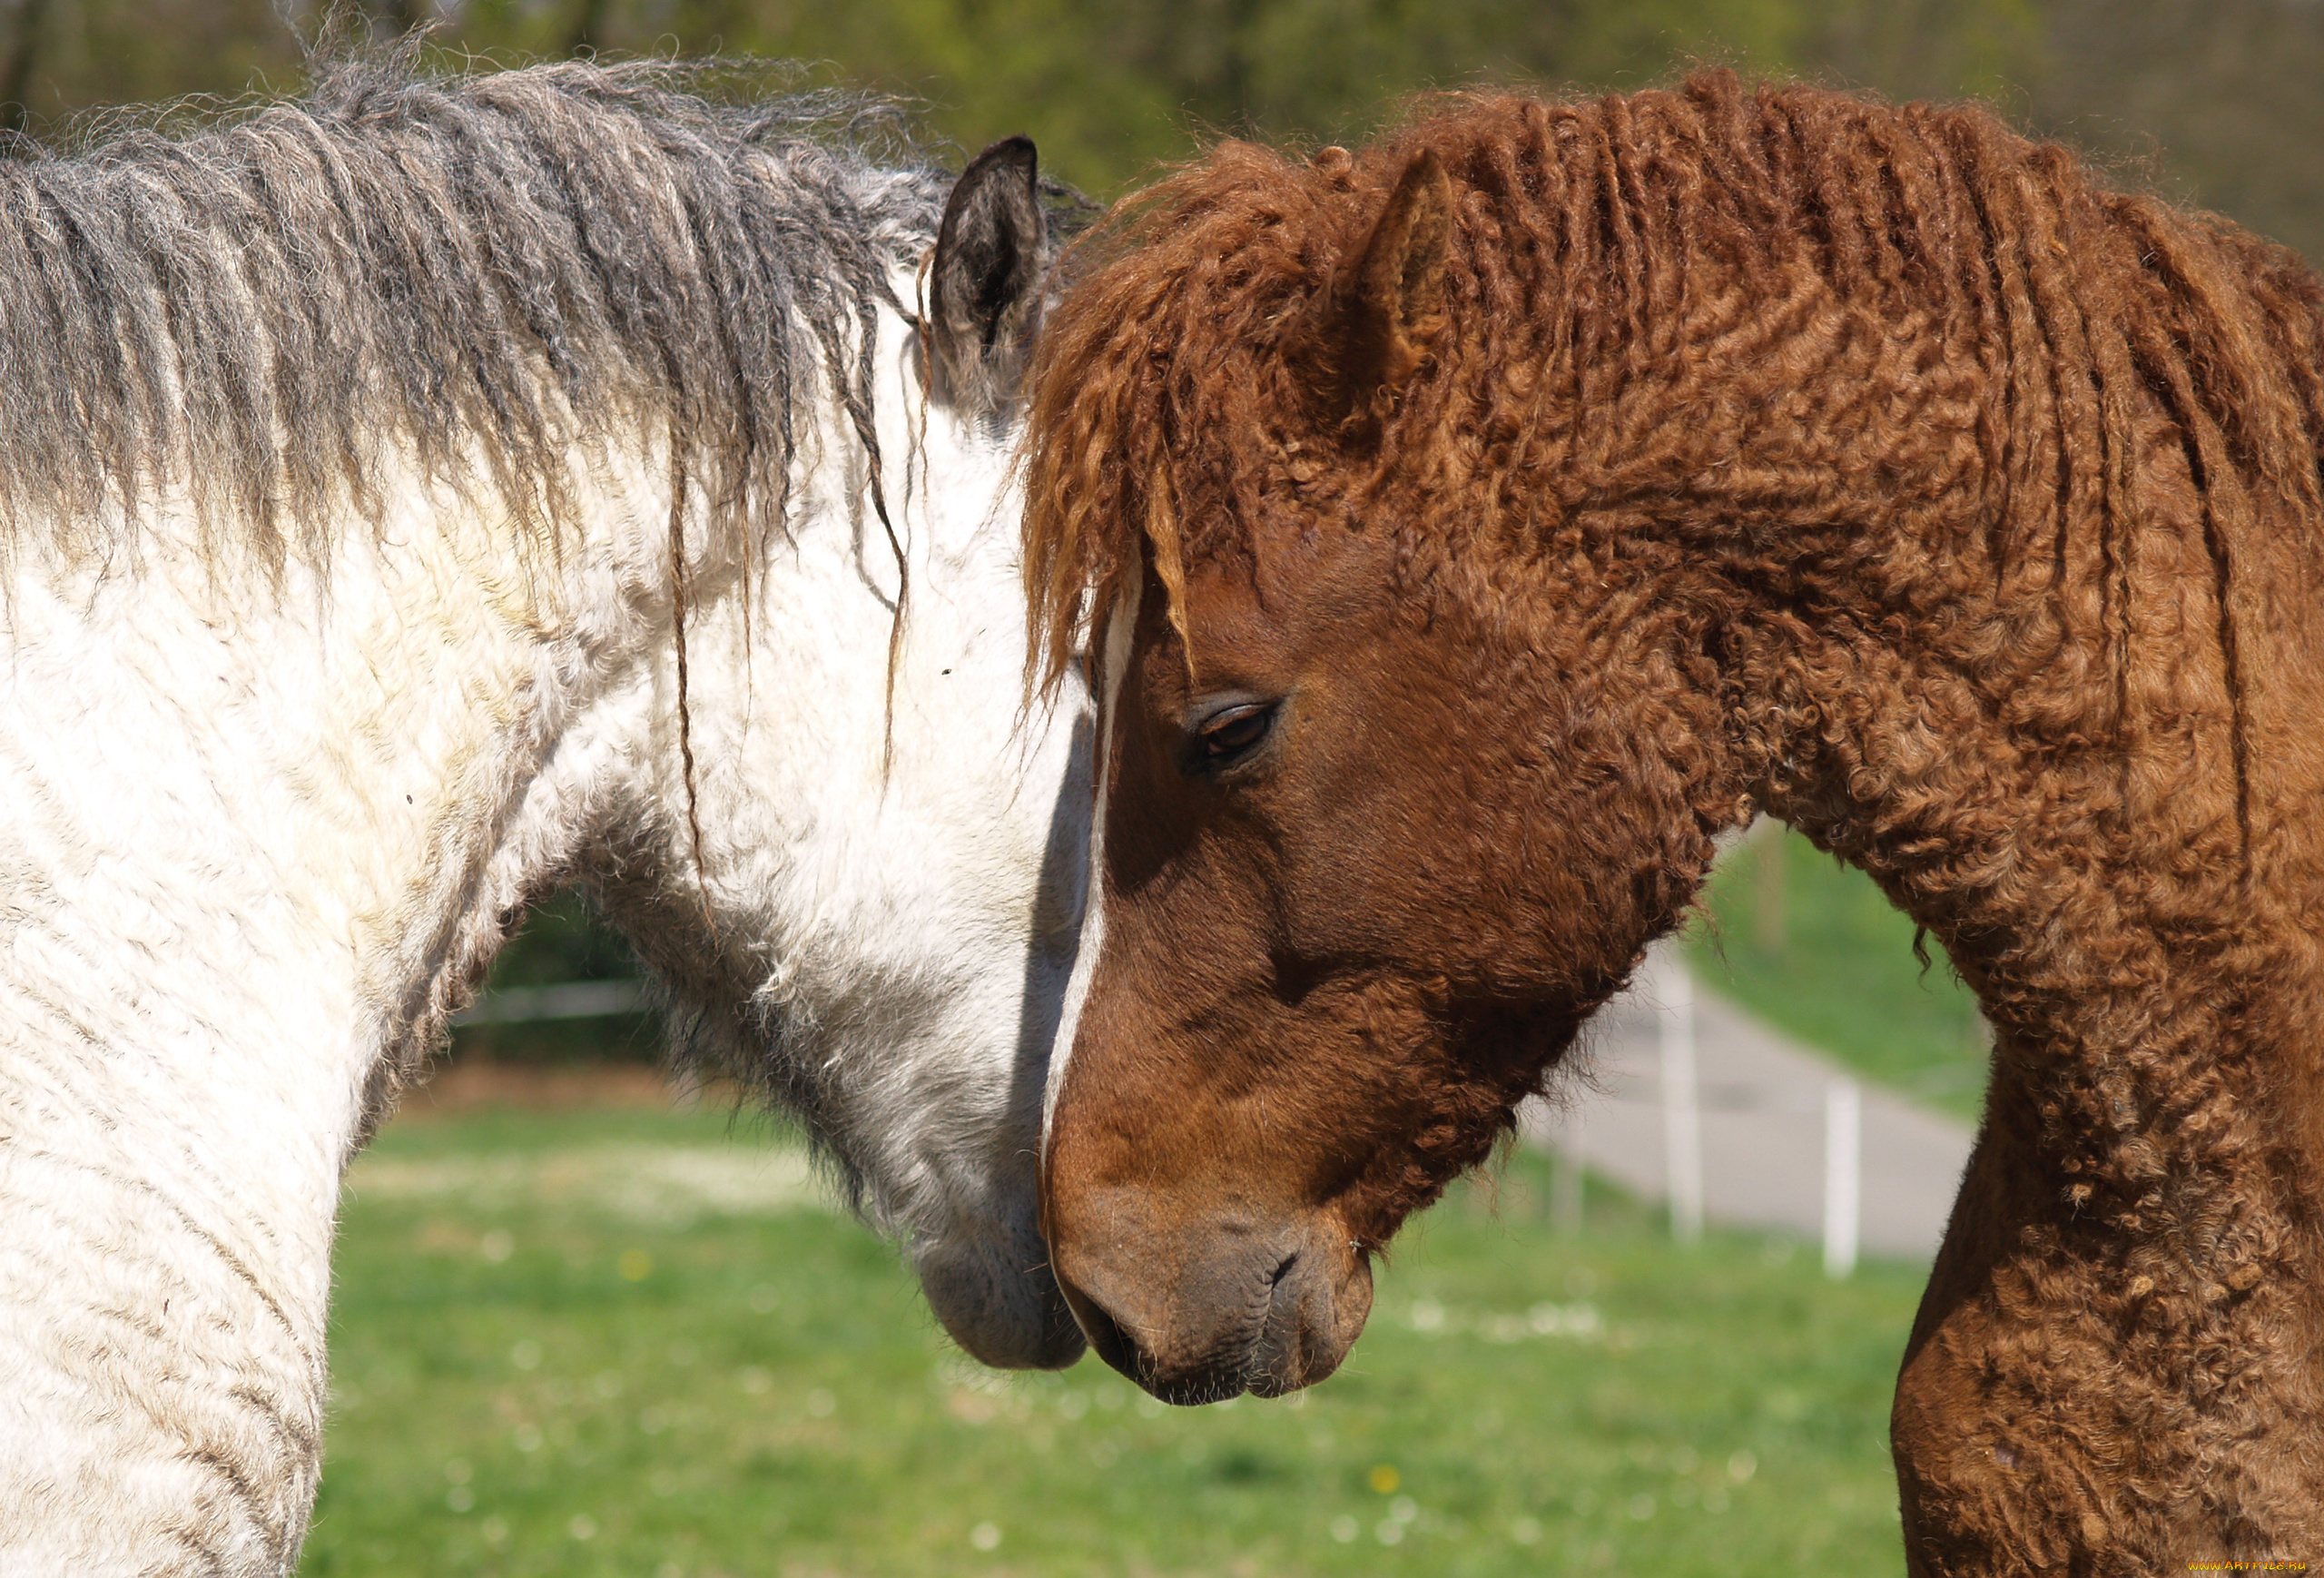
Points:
x=546, y=1372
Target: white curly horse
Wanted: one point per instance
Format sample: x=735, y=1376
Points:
x=416, y=496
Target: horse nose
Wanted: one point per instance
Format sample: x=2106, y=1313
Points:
x=1105, y=1336
x=1210, y=1312
x=1132, y=1330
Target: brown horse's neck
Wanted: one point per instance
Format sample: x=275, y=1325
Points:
x=2104, y=800
x=2094, y=774
x=2120, y=849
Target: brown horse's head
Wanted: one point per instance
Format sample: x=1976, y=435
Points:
x=1381, y=823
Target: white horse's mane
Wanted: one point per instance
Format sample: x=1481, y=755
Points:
x=504, y=263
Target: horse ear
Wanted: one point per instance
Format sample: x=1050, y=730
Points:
x=1375, y=327
x=985, y=292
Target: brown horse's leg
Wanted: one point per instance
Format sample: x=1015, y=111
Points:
x=2081, y=1397
x=1958, y=1489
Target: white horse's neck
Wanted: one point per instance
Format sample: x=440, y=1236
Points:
x=258, y=840
x=252, y=844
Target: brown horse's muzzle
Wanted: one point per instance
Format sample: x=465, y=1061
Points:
x=1200, y=1308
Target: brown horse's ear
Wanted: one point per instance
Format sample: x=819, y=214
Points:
x=1372, y=332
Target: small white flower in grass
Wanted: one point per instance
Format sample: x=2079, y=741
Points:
x=529, y=1438
x=607, y=1385
x=1404, y=1509
x=669, y=1569
x=1742, y=1466
x=1564, y=1320
x=1428, y=1315
x=1388, y=1531
x=821, y=1404
x=1073, y=1405
x=458, y=1472
x=581, y=1527
x=1525, y=1531
x=497, y=1245
x=1345, y=1529
x=985, y=1536
x=525, y=1355
x=755, y=1380
x=495, y=1531
x=460, y=1498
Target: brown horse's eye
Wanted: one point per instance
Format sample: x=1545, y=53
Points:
x=1229, y=735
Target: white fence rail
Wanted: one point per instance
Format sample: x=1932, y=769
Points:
x=571, y=1000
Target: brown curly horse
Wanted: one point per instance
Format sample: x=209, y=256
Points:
x=1475, y=527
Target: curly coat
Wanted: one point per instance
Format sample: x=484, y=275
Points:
x=1872, y=466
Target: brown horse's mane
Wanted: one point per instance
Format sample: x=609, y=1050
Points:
x=1587, y=235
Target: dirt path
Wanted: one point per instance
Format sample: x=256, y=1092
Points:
x=1762, y=1114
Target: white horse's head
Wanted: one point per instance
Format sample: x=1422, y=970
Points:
x=437, y=489
x=878, y=930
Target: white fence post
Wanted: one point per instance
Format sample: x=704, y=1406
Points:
x=1682, y=1138
x=1843, y=1175
x=1565, y=1174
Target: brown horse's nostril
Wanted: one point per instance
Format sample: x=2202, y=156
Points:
x=1106, y=1338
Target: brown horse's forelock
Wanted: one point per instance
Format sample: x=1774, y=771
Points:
x=1177, y=283
x=1162, y=405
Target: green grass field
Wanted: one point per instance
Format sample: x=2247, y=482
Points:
x=1827, y=958
x=634, y=1343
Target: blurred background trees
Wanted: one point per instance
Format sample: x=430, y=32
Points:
x=2208, y=101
